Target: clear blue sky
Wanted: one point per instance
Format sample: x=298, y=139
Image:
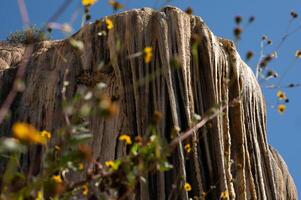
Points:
x=272, y=17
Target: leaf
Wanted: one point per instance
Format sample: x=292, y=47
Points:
x=11, y=169
x=76, y=44
x=11, y=145
x=134, y=149
x=165, y=166
x=79, y=139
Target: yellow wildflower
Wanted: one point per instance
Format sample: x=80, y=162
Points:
x=46, y=134
x=88, y=2
x=40, y=195
x=281, y=108
x=148, y=54
x=225, y=195
x=125, y=138
x=109, y=163
x=187, y=148
x=109, y=23
x=27, y=133
x=85, y=190
x=81, y=166
x=281, y=95
x=57, y=178
x=114, y=165
x=187, y=187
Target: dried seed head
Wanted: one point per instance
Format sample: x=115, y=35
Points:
x=88, y=17
x=115, y=5
x=263, y=64
x=298, y=54
x=157, y=117
x=268, y=58
x=294, y=14
x=251, y=19
x=271, y=73
x=238, y=19
x=189, y=11
x=237, y=32
x=249, y=55
x=264, y=37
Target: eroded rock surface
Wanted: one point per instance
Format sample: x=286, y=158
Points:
x=232, y=154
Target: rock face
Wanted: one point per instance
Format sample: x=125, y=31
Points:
x=230, y=154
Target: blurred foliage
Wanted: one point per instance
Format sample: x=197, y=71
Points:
x=72, y=156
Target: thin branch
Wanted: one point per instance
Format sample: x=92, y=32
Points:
x=58, y=13
x=209, y=116
x=286, y=71
x=260, y=58
x=65, y=84
x=23, y=13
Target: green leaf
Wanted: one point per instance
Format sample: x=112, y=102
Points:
x=11, y=169
x=116, y=164
x=79, y=139
x=165, y=166
x=11, y=145
x=134, y=150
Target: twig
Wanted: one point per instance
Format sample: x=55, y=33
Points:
x=260, y=58
x=58, y=13
x=286, y=71
x=24, y=13
x=199, y=125
x=21, y=69
x=64, y=95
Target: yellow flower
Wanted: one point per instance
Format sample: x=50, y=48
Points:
x=40, y=195
x=57, y=178
x=46, y=134
x=281, y=95
x=125, y=138
x=85, y=190
x=27, y=133
x=109, y=23
x=281, y=108
x=114, y=165
x=148, y=54
x=109, y=163
x=81, y=166
x=187, y=148
x=225, y=195
x=187, y=187
x=88, y=2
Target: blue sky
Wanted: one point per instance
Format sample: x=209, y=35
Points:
x=272, y=18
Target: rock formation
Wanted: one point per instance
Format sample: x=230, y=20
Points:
x=230, y=154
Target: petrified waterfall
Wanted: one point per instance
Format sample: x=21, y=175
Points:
x=230, y=153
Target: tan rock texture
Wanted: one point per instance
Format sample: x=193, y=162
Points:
x=229, y=154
